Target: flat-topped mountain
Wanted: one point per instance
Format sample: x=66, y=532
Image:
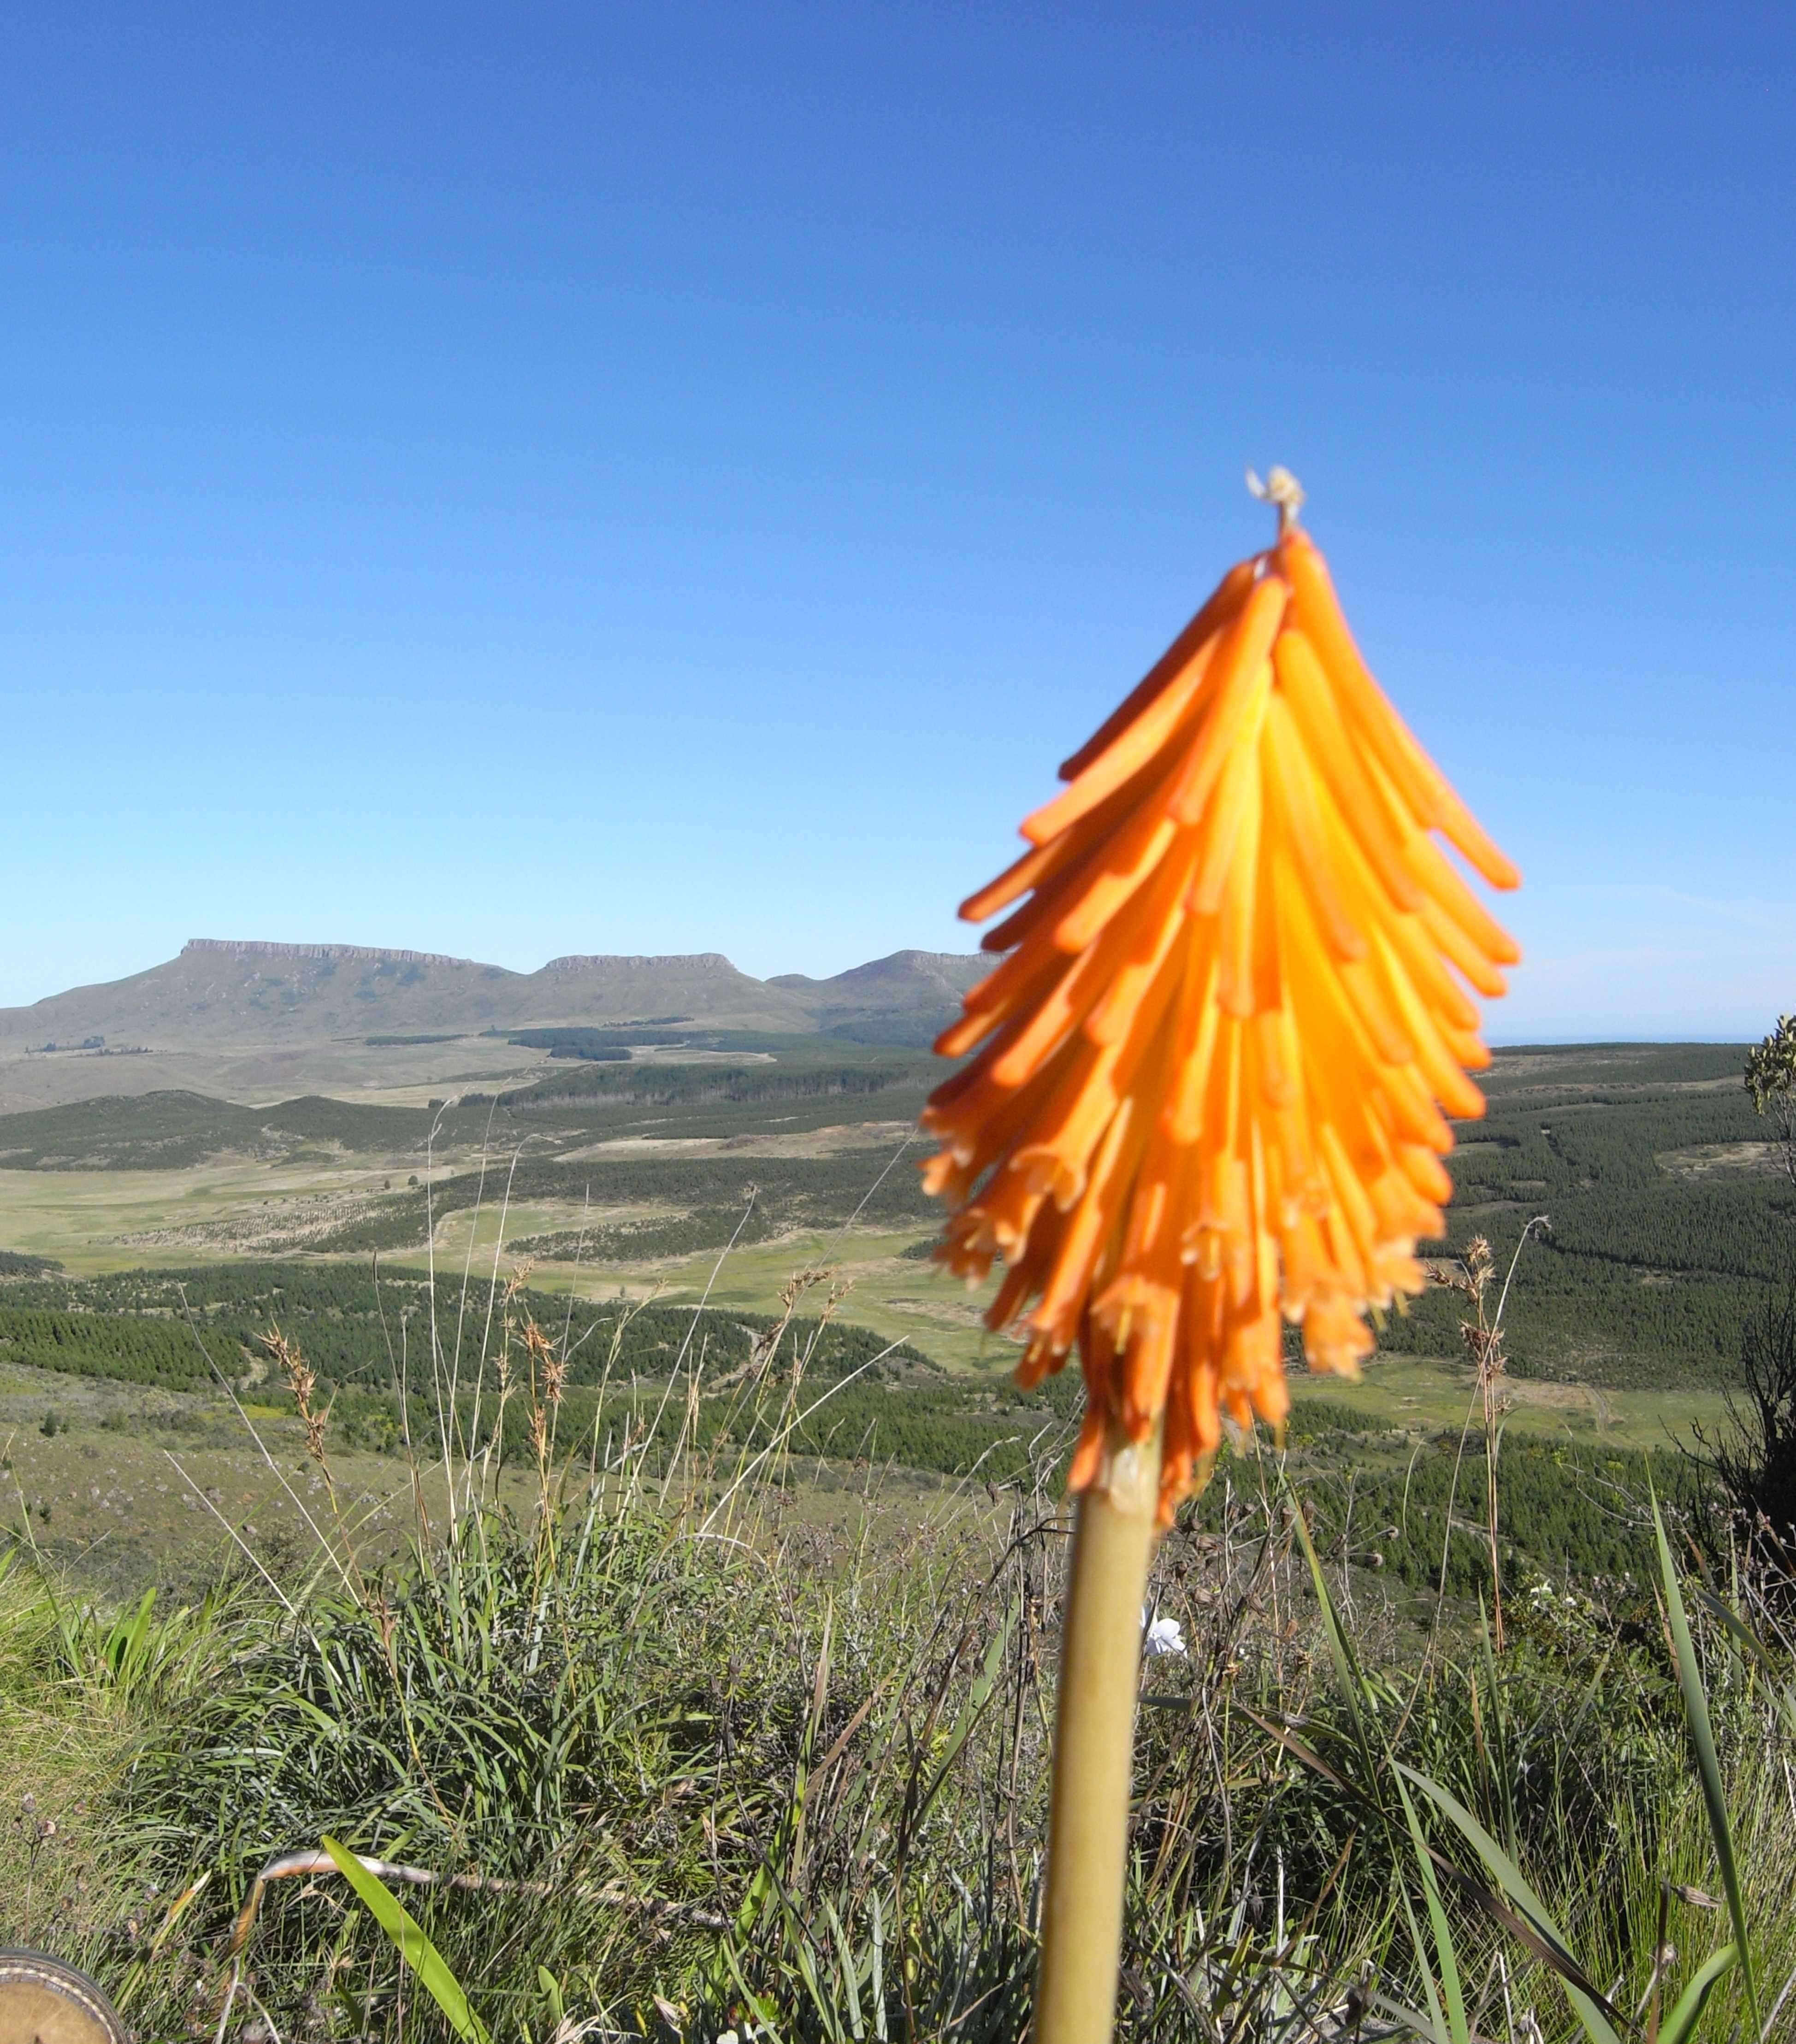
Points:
x=245, y=1012
x=219, y=991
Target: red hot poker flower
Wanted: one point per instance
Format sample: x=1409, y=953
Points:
x=1228, y=1016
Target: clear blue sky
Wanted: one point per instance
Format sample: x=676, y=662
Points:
x=513, y=481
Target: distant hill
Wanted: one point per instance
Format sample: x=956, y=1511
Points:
x=245, y=1017
x=906, y=998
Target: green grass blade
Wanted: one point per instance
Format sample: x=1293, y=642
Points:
x=1553, y=1945
x=823, y=2005
x=1418, y=2020
x=1448, y=1958
x=1347, y=1678
x=552, y=1992
x=1351, y=1684
x=978, y=1695
x=124, y=1649
x=765, y=2023
x=1434, y=2028
x=1501, y=1779
x=851, y=1979
x=1782, y=1700
x=878, y=1982
x=1691, y=2002
x=1703, y=1738
x=413, y=1947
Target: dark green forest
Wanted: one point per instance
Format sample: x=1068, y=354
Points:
x=174, y=1130
x=357, y=1328
x=604, y=1041
x=1660, y=1244
x=649, y=1083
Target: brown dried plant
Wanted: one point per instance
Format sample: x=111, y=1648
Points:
x=1482, y=1334
x=302, y=1381
x=549, y=1377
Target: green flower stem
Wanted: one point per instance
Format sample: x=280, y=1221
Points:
x=1094, y=1749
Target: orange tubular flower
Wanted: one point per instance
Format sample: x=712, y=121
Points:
x=1217, y=1050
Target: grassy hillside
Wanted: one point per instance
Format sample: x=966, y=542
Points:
x=721, y=1635
x=715, y=1084
x=159, y=1131
x=722, y=1737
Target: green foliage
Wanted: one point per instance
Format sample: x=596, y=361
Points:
x=1581, y=1319
x=701, y=1755
x=1370, y=1773
x=1566, y=1513
x=1770, y=1079
x=653, y=1083
x=1660, y=1242
x=649, y=1236
x=157, y=1327
x=904, y=1027
x=133, y=1350
x=1649, y=1160
x=704, y=1764
x=784, y=1777
x=598, y=1043
x=173, y=1131
x=1752, y=1457
x=411, y=1944
x=1564, y=1509
x=16, y=1263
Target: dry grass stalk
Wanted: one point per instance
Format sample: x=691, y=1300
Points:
x=1482, y=1335
x=302, y=1382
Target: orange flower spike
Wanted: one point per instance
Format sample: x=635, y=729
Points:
x=1231, y=1011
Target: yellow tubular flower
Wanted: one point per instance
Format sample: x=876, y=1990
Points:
x=1216, y=1054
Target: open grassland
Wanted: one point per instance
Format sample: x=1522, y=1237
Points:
x=120, y=1486
x=93, y=1221
x=704, y=1613
x=136, y=1486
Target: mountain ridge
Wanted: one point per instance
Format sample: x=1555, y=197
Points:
x=265, y=947
x=253, y=991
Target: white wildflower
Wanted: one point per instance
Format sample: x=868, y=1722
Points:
x=1165, y=1635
